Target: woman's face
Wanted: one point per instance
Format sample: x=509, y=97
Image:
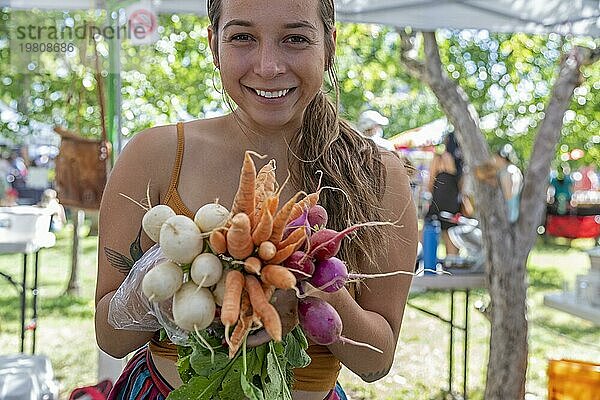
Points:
x=271, y=55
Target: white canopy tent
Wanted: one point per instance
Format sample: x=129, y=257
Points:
x=578, y=17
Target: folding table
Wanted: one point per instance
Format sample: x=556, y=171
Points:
x=25, y=230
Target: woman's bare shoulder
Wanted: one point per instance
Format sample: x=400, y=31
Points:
x=152, y=141
x=147, y=156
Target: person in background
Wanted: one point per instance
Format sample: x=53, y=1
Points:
x=588, y=179
x=4, y=171
x=445, y=183
x=17, y=175
x=560, y=191
x=370, y=124
x=50, y=201
x=511, y=179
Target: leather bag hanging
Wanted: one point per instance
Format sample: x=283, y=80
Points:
x=82, y=164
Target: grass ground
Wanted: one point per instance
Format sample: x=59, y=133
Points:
x=66, y=332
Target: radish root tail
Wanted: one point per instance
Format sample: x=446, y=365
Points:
x=355, y=343
x=135, y=201
x=206, y=345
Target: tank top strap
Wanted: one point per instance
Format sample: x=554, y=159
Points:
x=178, y=159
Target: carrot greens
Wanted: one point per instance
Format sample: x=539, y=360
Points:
x=260, y=373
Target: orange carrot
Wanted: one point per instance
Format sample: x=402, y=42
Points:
x=263, y=229
x=244, y=198
x=265, y=182
x=278, y=276
x=264, y=309
x=281, y=219
x=217, y=242
x=267, y=250
x=268, y=290
x=287, y=251
x=273, y=204
x=252, y=265
x=296, y=235
x=307, y=202
x=243, y=326
x=230, y=310
x=239, y=238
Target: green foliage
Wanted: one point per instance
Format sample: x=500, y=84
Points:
x=371, y=76
x=510, y=77
x=545, y=278
x=260, y=373
x=506, y=76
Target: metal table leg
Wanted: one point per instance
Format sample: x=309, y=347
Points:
x=451, y=348
x=463, y=327
x=35, y=301
x=23, y=302
x=466, y=343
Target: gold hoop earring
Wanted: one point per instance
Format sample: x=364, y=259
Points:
x=214, y=83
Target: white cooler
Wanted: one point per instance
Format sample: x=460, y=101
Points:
x=25, y=377
x=23, y=223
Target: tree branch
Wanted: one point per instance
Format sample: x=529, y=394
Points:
x=415, y=68
x=545, y=142
x=456, y=105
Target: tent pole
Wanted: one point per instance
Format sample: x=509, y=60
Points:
x=114, y=84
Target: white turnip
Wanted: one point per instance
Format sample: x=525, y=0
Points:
x=154, y=219
x=193, y=307
x=162, y=281
x=181, y=239
x=219, y=289
x=211, y=216
x=206, y=269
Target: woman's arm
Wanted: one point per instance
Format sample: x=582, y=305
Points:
x=119, y=223
x=376, y=315
x=433, y=171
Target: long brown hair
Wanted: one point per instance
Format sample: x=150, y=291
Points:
x=347, y=160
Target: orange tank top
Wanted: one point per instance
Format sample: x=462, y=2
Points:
x=319, y=376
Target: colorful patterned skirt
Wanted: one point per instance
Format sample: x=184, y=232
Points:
x=141, y=380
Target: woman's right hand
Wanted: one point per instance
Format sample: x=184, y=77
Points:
x=286, y=304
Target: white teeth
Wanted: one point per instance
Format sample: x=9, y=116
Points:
x=271, y=95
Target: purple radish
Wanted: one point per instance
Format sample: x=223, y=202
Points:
x=300, y=265
x=302, y=220
x=322, y=324
x=325, y=243
x=330, y=275
x=317, y=216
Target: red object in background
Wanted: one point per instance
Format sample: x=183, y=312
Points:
x=96, y=392
x=573, y=226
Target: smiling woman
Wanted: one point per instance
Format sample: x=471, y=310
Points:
x=271, y=71
x=272, y=57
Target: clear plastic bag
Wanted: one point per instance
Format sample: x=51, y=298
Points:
x=130, y=309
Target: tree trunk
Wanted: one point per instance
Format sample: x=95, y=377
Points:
x=73, y=285
x=507, y=246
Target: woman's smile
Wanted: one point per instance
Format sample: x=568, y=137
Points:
x=271, y=96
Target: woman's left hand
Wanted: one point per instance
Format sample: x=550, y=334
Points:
x=286, y=304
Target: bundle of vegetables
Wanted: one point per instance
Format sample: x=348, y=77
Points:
x=223, y=269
